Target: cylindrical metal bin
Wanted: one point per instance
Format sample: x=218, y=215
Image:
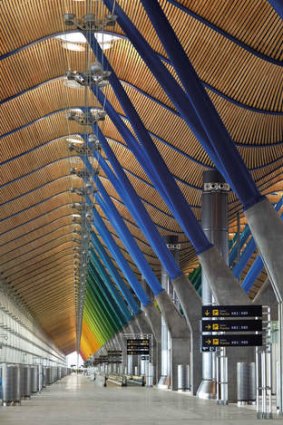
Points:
x=34, y=379
x=11, y=393
x=181, y=377
x=187, y=377
x=44, y=377
x=40, y=377
x=149, y=375
x=25, y=373
x=48, y=380
x=246, y=383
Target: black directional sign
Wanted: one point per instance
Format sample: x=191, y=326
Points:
x=231, y=311
x=138, y=346
x=231, y=325
x=247, y=340
x=114, y=356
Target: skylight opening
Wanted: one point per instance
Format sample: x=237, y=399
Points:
x=74, y=40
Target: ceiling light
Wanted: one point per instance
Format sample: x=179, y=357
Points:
x=71, y=39
x=73, y=140
x=105, y=40
x=74, y=47
x=72, y=84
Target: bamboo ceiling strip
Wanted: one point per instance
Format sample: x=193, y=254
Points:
x=46, y=16
x=275, y=190
x=39, y=277
x=198, y=50
x=248, y=127
x=261, y=156
x=264, y=173
x=134, y=70
x=38, y=297
x=139, y=18
x=252, y=21
x=15, y=266
x=124, y=155
x=41, y=194
x=171, y=127
x=165, y=124
x=127, y=160
x=57, y=258
x=37, y=210
x=62, y=210
x=38, y=158
x=41, y=101
x=29, y=237
x=54, y=307
x=37, y=133
x=65, y=343
x=40, y=177
x=218, y=61
x=49, y=269
x=58, y=327
x=40, y=242
x=48, y=247
x=46, y=290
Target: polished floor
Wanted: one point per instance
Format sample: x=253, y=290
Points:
x=78, y=401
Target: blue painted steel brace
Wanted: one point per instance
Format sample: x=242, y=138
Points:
x=159, y=174
x=220, y=140
x=119, y=258
x=114, y=274
x=126, y=237
x=111, y=288
x=131, y=200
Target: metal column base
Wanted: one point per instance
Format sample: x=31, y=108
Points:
x=164, y=382
x=207, y=390
x=267, y=230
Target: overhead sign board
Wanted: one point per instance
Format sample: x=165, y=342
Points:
x=238, y=325
x=140, y=346
x=231, y=311
x=247, y=340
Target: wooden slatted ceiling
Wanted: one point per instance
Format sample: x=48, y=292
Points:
x=252, y=22
x=261, y=156
x=36, y=241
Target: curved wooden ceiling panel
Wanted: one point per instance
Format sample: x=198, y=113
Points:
x=236, y=49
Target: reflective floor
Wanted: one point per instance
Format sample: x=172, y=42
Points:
x=77, y=400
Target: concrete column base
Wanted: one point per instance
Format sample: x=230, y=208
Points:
x=221, y=280
x=179, y=333
x=267, y=230
x=191, y=305
x=266, y=296
x=153, y=317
